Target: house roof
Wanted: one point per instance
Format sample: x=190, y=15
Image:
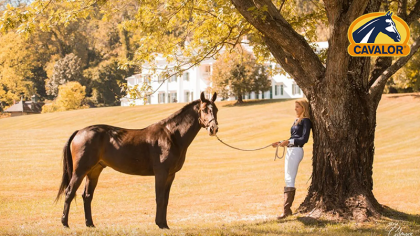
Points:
x=28, y=107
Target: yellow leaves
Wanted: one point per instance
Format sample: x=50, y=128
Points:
x=70, y=97
x=45, y=14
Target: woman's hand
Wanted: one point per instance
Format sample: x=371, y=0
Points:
x=276, y=144
x=284, y=143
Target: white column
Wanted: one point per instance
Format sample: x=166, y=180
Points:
x=180, y=96
x=197, y=82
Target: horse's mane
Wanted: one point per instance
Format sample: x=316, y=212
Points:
x=182, y=110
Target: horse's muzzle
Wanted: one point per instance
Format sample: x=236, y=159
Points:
x=213, y=129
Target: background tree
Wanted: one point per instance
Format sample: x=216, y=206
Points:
x=260, y=81
x=236, y=73
x=17, y=64
x=107, y=82
x=66, y=69
x=38, y=46
x=70, y=97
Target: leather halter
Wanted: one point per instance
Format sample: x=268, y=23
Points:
x=201, y=122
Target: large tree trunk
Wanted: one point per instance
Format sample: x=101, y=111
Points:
x=343, y=156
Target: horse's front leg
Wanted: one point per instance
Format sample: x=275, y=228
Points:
x=163, y=183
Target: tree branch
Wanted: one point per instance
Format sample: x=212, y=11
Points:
x=381, y=64
x=356, y=9
x=402, y=9
x=265, y=17
x=382, y=79
x=414, y=13
x=281, y=6
x=352, y=9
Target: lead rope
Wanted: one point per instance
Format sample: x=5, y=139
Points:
x=276, y=156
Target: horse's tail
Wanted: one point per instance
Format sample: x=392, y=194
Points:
x=67, y=167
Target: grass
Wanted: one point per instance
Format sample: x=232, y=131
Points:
x=219, y=191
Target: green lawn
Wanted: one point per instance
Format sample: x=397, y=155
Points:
x=219, y=191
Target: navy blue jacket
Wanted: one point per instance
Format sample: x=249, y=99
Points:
x=300, y=133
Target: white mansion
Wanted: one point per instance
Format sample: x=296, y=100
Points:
x=188, y=87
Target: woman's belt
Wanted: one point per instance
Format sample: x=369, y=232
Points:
x=295, y=145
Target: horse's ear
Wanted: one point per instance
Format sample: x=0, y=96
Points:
x=389, y=13
x=202, y=97
x=214, y=97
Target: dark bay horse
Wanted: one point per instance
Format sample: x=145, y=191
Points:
x=158, y=150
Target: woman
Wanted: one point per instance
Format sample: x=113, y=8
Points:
x=299, y=136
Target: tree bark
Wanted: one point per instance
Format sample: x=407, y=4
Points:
x=240, y=100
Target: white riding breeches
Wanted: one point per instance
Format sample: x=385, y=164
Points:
x=294, y=156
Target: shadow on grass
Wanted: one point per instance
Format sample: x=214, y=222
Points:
x=398, y=215
x=310, y=221
x=311, y=226
x=257, y=102
x=414, y=95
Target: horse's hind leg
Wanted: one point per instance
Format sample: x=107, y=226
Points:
x=91, y=182
x=75, y=182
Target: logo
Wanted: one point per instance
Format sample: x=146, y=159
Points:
x=379, y=34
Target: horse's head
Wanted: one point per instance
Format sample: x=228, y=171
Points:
x=390, y=28
x=207, y=114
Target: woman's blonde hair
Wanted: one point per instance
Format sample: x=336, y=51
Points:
x=305, y=114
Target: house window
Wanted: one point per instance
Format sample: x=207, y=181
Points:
x=187, y=96
x=161, y=98
x=173, y=78
x=187, y=76
x=172, y=97
x=279, y=90
x=192, y=96
x=207, y=69
x=295, y=89
x=160, y=78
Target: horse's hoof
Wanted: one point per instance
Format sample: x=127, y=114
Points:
x=90, y=226
x=66, y=226
x=65, y=222
x=163, y=226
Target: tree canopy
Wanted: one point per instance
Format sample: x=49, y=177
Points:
x=47, y=52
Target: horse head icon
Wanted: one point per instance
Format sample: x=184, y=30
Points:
x=368, y=32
